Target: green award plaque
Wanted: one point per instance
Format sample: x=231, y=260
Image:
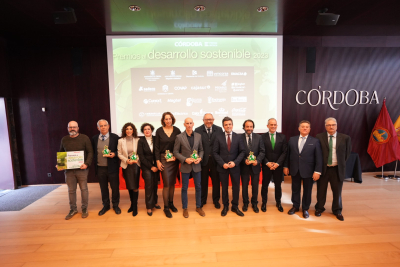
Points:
x=134, y=157
x=169, y=156
x=251, y=158
x=106, y=151
x=194, y=155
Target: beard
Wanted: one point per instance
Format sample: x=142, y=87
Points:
x=73, y=132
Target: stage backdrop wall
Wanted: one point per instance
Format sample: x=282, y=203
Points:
x=72, y=84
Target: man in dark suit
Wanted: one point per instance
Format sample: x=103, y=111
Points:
x=107, y=167
x=228, y=151
x=275, y=154
x=304, y=160
x=252, y=143
x=208, y=133
x=336, y=148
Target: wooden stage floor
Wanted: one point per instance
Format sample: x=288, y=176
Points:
x=369, y=236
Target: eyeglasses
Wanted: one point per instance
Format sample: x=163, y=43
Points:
x=209, y=119
x=330, y=125
x=73, y=127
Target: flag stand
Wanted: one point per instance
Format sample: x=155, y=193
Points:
x=382, y=176
x=395, y=177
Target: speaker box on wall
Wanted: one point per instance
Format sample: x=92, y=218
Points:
x=311, y=57
x=327, y=19
x=65, y=17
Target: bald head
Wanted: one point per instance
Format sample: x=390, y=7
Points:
x=73, y=128
x=188, y=125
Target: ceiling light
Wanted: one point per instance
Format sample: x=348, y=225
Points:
x=262, y=9
x=199, y=8
x=134, y=8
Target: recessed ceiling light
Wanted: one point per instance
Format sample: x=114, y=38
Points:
x=134, y=8
x=262, y=9
x=200, y=8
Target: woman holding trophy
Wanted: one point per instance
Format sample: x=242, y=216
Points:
x=166, y=162
x=127, y=152
x=149, y=168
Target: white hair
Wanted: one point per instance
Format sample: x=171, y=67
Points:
x=100, y=121
x=330, y=119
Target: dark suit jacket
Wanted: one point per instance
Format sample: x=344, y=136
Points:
x=308, y=161
x=257, y=147
x=207, y=143
x=112, y=163
x=278, y=154
x=343, y=150
x=146, y=157
x=222, y=155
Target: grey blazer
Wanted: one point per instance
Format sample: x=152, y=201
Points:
x=182, y=151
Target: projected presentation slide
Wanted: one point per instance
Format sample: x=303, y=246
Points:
x=239, y=77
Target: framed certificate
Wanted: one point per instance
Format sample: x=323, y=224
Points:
x=70, y=160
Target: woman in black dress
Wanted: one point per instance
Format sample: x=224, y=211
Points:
x=127, y=146
x=148, y=165
x=165, y=140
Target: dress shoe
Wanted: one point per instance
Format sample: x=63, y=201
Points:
x=318, y=213
x=224, y=211
x=264, y=207
x=172, y=207
x=150, y=213
x=104, y=210
x=245, y=207
x=130, y=209
x=237, y=211
x=157, y=207
x=168, y=214
x=185, y=213
x=340, y=217
x=117, y=210
x=255, y=208
x=279, y=206
x=217, y=205
x=200, y=212
x=71, y=214
x=305, y=214
x=85, y=213
x=292, y=210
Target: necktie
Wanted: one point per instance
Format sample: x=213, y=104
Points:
x=302, y=143
x=102, y=137
x=272, y=141
x=249, y=142
x=209, y=133
x=330, y=150
x=229, y=142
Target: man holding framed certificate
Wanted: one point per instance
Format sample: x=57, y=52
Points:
x=77, y=142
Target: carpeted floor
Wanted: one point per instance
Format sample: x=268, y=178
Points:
x=16, y=200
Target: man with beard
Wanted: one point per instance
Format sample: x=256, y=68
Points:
x=76, y=141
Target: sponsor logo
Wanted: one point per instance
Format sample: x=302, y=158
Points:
x=165, y=88
x=152, y=73
x=239, y=99
x=222, y=88
x=152, y=101
x=221, y=112
x=172, y=73
x=180, y=113
x=150, y=114
x=147, y=89
x=191, y=101
x=216, y=100
x=194, y=72
x=176, y=100
x=239, y=112
x=238, y=87
x=152, y=77
x=200, y=113
x=210, y=73
x=173, y=76
x=200, y=87
x=221, y=74
x=210, y=44
x=180, y=88
x=239, y=73
x=180, y=43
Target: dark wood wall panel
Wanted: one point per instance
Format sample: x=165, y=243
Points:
x=341, y=69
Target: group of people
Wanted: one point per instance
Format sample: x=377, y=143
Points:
x=209, y=151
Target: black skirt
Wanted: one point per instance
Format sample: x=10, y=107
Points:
x=170, y=171
x=131, y=175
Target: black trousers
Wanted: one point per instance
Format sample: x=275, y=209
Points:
x=235, y=178
x=210, y=170
x=277, y=176
x=150, y=187
x=104, y=179
x=246, y=173
x=296, y=191
x=331, y=176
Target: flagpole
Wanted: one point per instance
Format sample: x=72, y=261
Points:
x=382, y=176
x=395, y=177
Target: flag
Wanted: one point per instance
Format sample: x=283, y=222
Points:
x=383, y=145
x=397, y=128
